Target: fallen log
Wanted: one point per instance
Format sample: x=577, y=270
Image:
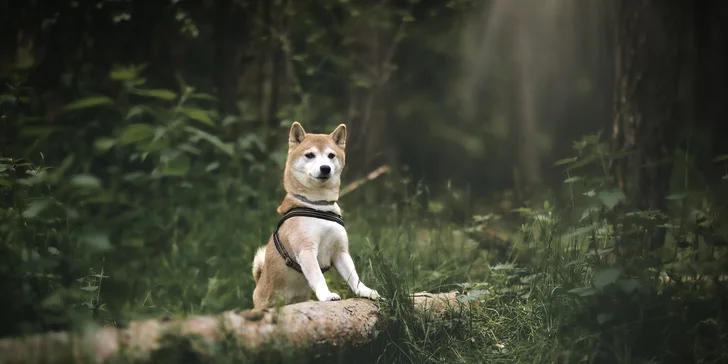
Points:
x=289, y=329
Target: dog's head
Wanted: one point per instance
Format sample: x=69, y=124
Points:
x=315, y=161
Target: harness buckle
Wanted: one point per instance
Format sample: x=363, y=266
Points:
x=289, y=262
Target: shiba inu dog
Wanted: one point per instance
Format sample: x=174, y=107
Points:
x=310, y=237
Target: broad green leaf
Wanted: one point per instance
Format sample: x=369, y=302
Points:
x=96, y=241
x=503, y=266
x=225, y=147
x=212, y=166
x=588, y=211
x=677, y=196
x=54, y=300
x=137, y=81
x=251, y=140
x=565, y=161
x=574, y=262
x=104, y=144
x=159, y=133
x=229, y=120
x=138, y=110
x=202, y=96
x=178, y=166
x=85, y=181
x=36, y=207
x=470, y=296
x=88, y=102
x=606, y=276
x=123, y=73
x=197, y=114
x=604, y=317
x=189, y=148
x=530, y=278
x=611, y=198
x=592, y=138
x=153, y=146
x=127, y=73
x=585, y=161
x=628, y=285
x=572, y=179
x=5, y=183
x=101, y=198
x=89, y=288
x=35, y=178
x=134, y=133
x=134, y=176
x=435, y=207
x=65, y=164
x=7, y=98
x=720, y=158
x=583, y=291
x=581, y=231
x=524, y=211
x=361, y=80
x=157, y=93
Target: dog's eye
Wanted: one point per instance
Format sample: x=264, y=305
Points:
x=310, y=155
x=331, y=156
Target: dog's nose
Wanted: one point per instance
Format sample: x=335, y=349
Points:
x=325, y=169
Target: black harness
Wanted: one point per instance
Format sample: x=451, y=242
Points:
x=305, y=212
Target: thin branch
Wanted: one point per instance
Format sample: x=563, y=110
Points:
x=369, y=177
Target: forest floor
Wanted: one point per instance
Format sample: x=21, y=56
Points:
x=542, y=289
x=558, y=280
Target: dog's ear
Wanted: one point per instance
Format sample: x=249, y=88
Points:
x=296, y=135
x=339, y=136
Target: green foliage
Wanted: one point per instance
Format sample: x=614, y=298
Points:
x=149, y=209
x=126, y=213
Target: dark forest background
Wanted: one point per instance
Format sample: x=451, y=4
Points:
x=567, y=156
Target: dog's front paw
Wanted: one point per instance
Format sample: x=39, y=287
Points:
x=369, y=293
x=374, y=296
x=328, y=296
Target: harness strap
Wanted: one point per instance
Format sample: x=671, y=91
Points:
x=304, y=212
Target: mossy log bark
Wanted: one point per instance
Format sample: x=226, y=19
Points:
x=289, y=330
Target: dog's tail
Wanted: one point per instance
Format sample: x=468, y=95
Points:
x=258, y=262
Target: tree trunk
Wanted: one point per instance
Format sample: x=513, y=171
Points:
x=229, y=48
x=648, y=107
x=712, y=84
x=299, y=329
x=371, y=53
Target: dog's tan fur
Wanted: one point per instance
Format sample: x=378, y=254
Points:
x=312, y=242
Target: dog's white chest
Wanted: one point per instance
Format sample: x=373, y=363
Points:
x=329, y=237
